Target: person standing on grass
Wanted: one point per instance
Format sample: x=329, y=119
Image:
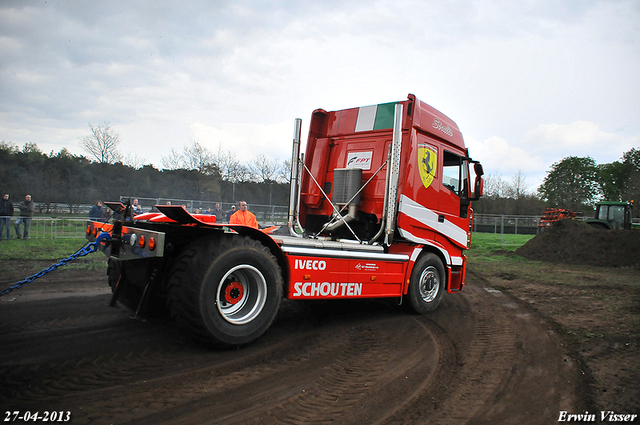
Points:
x=26, y=212
x=244, y=216
x=6, y=211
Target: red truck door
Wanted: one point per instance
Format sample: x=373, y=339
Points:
x=453, y=210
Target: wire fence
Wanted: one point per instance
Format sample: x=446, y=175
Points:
x=502, y=225
x=51, y=228
x=506, y=224
x=75, y=227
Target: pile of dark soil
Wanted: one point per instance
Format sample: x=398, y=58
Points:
x=575, y=242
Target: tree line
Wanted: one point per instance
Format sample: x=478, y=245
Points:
x=575, y=183
x=199, y=174
x=193, y=174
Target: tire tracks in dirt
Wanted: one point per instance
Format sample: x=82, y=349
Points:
x=480, y=358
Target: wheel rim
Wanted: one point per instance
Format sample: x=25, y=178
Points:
x=242, y=294
x=429, y=284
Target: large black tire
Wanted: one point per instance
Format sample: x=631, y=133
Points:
x=136, y=276
x=225, y=290
x=427, y=284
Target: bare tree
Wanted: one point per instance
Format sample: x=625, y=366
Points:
x=102, y=144
x=518, y=185
x=264, y=170
x=495, y=187
x=193, y=157
x=134, y=161
x=230, y=169
x=197, y=157
x=240, y=174
x=9, y=147
x=31, y=147
x=284, y=173
x=173, y=161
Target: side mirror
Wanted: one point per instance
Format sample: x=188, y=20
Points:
x=477, y=167
x=478, y=190
x=478, y=184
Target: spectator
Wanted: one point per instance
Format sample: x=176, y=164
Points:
x=6, y=211
x=230, y=213
x=137, y=209
x=244, y=216
x=95, y=213
x=218, y=213
x=26, y=212
x=106, y=215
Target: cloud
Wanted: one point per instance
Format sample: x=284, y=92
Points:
x=499, y=157
x=540, y=148
x=579, y=138
x=246, y=140
x=238, y=73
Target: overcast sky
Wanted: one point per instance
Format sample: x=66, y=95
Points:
x=527, y=82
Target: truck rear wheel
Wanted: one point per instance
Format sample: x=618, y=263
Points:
x=225, y=290
x=427, y=284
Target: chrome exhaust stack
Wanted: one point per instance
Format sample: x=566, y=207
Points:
x=293, y=218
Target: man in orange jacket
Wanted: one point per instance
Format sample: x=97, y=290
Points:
x=243, y=216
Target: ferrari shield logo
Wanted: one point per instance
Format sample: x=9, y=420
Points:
x=427, y=162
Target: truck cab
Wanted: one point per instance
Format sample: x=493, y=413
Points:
x=394, y=175
x=351, y=152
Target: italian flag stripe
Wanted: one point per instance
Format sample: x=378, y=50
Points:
x=375, y=117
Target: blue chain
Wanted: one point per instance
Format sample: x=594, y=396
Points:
x=85, y=250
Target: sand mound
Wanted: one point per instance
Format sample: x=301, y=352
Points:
x=575, y=242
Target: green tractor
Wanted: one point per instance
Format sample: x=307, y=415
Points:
x=614, y=215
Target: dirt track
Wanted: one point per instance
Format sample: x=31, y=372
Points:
x=481, y=358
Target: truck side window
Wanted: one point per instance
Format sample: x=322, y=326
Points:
x=451, y=172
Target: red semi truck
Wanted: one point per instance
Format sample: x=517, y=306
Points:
x=380, y=206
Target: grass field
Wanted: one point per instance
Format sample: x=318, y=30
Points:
x=485, y=248
x=486, y=243
x=34, y=254
x=39, y=249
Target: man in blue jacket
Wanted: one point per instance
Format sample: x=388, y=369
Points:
x=6, y=211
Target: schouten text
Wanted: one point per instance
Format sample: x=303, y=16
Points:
x=327, y=289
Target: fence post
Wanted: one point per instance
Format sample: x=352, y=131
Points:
x=502, y=230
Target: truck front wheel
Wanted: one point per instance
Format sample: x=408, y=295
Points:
x=225, y=289
x=427, y=284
